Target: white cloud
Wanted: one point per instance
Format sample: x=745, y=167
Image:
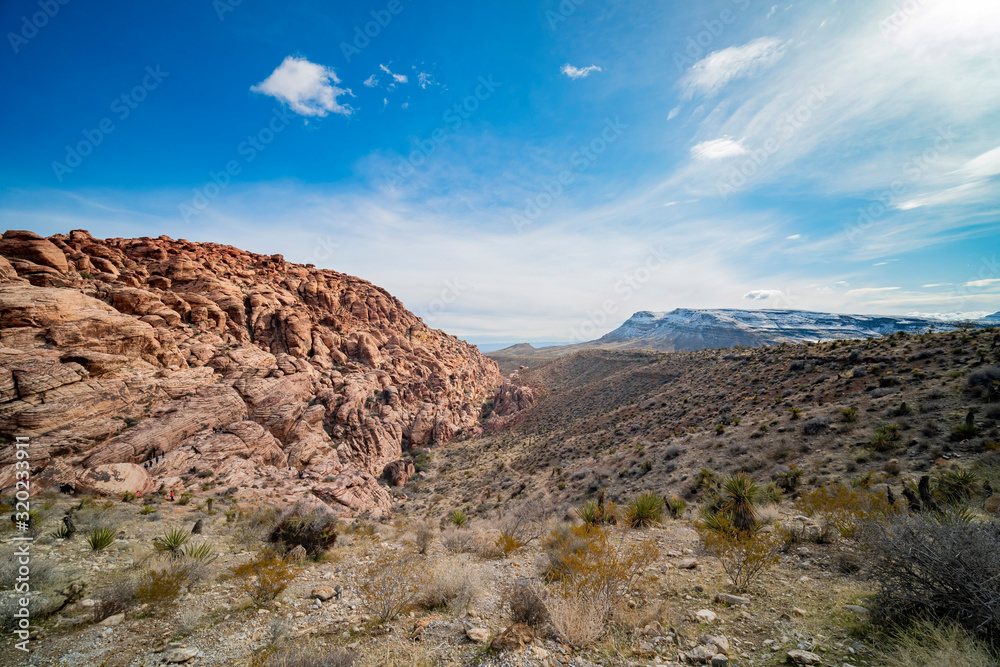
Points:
x=871, y=290
x=793, y=237
x=764, y=294
x=983, y=166
x=717, y=149
x=578, y=72
x=673, y=113
x=372, y=81
x=981, y=283
x=937, y=285
x=397, y=78
x=424, y=79
x=309, y=89
x=405, y=105
x=710, y=74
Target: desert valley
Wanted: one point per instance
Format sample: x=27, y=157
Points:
x=235, y=459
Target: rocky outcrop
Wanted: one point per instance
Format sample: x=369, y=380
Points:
x=510, y=398
x=183, y=359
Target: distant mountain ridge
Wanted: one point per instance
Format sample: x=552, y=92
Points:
x=685, y=329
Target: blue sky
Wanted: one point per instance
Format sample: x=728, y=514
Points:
x=529, y=170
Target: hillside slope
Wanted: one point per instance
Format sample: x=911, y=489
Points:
x=136, y=364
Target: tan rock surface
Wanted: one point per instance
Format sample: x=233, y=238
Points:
x=120, y=351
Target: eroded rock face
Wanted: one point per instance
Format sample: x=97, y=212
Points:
x=510, y=398
x=180, y=359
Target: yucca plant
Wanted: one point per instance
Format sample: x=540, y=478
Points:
x=101, y=538
x=202, y=552
x=885, y=437
x=737, y=500
x=61, y=533
x=171, y=542
x=957, y=486
x=676, y=505
x=147, y=509
x=645, y=510
x=458, y=517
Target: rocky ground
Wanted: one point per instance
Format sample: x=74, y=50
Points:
x=681, y=599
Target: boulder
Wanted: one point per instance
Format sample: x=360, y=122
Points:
x=399, y=471
x=116, y=479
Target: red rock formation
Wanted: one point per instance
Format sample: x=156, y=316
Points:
x=181, y=357
x=510, y=398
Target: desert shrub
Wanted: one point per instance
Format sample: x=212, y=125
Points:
x=676, y=506
x=422, y=461
x=928, y=643
x=458, y=541
x=522, y=523
x=849, y=414
x=816, y=425
x=453, y=585
x=390, y=583
x=744, y=554
x=845, y=507
x=263, y=578
x=587, y=562
x=645, y=510
x=794, y=413
x=171, y=542
x=885, y=437
x=45, y=573
x=963, y=431
x=115, y=598
x=160, y=586
x=313, y=531
x=597, y=512
x=101, y=538
x=252, y=525
x=424, y=536
x=577, y=620
x=524, y=603
x=458, y=518
x=309, y=655
x=184, y=499
x=985, y=382
x=788, y=480
x=506, y=544
x=940, y=567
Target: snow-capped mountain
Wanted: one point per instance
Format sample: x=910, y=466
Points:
x=690, y=329
x=697, y=329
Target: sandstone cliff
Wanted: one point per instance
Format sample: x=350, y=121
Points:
x=140, y=363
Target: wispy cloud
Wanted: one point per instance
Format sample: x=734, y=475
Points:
x=578, y=72
x=709, y=75
x=986, y=282
x=397, y=78
x=307, y=88
x=716, y=149
x=872, y=290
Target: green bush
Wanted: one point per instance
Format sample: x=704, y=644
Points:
x=313, y=531
x=458, y=517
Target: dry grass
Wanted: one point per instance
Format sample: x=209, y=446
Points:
x=577, y=620
x=926, y=643
x=453, y=584
x=391, y=582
